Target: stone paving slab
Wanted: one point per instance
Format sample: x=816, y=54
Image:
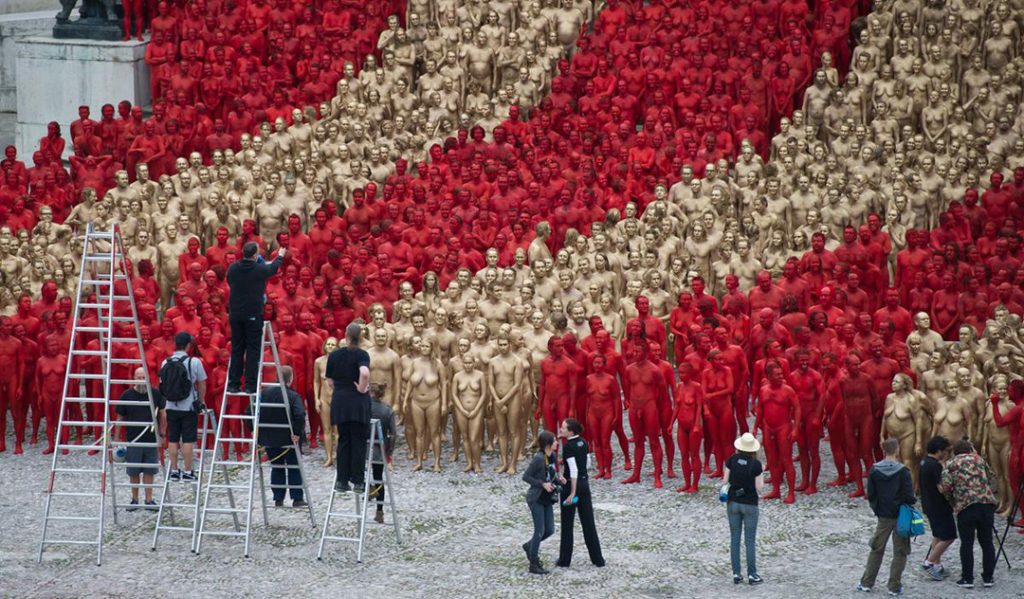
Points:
x=462, y=534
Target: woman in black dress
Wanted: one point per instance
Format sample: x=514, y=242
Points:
x=348, y=373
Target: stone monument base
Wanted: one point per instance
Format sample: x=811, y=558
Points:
x=55, y=77
x=12, y=27
x=90, y=29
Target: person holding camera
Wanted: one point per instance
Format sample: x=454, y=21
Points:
x=743, y=473
x=576, y=496
x=541, y=497
x=183, y=385
x=247, y=280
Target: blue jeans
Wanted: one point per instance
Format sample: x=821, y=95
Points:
x=543, y=526
x=742, y=517
x=284, y=465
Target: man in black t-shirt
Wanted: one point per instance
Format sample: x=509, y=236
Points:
x=936, y=507
x=142, y=440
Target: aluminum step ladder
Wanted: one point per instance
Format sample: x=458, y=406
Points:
x=362, y=502
x=230, y=477
x=96, y=373
x=190, y=507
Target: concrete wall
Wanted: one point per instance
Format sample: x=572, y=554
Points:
x=13, y=6
x=56, y=76
x=13, y=26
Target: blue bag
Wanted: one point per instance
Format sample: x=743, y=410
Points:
x=909, y=522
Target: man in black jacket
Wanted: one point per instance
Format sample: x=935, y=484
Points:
x=889, y=487
x=281, y=443
x=247, y=279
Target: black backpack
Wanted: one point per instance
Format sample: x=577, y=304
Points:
x=175, y=384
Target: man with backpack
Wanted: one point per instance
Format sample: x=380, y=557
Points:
x=889, y=487
x=970, y=484
x=183, y=385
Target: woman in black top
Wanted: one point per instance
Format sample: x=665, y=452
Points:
x=540, y=498
x=743, y=473
x=348, y=374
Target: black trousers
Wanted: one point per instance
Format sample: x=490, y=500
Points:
x=585, y=507
x=246, y=341
x=351, y=458
x=977, y=519
x=378, y=479
x=284, y=465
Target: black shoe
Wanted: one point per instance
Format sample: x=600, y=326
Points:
x=175, y=475
x=189, y=477
x=279, y=503
x=341, y=487
x=250, y=390
x=754, y=579
x=359, y=489
x=299, y=503
x=988, y=584
x=537, y=568
x=559, y=564
x=736, y=579
x=151, y=505
x=234, y=388
x=134, y=505
x=599, y=564
x=965, y=584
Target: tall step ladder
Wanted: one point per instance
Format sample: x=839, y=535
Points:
x=74, y=511
x=188, y=506
x=362, y=502
x=231, y=490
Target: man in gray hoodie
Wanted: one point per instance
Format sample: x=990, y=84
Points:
x=889, y=487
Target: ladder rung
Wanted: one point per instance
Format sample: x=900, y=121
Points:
x=287, y=487
x=74, y=518
x=139, y=485
x=223, y=533
x=224, y=510
x=179, y=505
x=131, y=423
x=126, y=361
x=80, y=470
x=83, y=423
x=79, y=447
x=239, y=393
x=235, y=417
x=87, y=329
x=227, y=486
x=129, y=382
x=87, y=376
x=348, y=539
x=124, y=339
x=69, y=542
x=176, y=528
x=88, y=352
x=226, y=440
x=346, y=515
x=223, y=463
x=74, y=494
x=90, y=400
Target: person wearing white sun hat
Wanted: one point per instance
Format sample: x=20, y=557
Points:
x=743, y=473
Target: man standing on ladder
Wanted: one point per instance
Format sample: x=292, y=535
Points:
x=183, y=385
x=247, y=279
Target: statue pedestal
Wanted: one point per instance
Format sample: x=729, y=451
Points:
x=55, y=77
x=12, y=27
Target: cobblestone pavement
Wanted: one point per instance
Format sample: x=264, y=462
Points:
x=461, y=537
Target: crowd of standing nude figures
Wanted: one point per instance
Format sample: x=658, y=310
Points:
x=653, y=217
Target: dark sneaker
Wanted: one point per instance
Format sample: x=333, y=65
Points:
x=279, y=503
x=965, y=584
x=189, y=477
x=236, y=388
x=537, y=568
x=736, y=579
x=988, y=584
x=358, y=489
x=134, y=505
x=341, y=487
x=896, y=593
x=299, y=503
x=175, y=475
x=936, y=572
x=151, y=505
x=754, y=579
